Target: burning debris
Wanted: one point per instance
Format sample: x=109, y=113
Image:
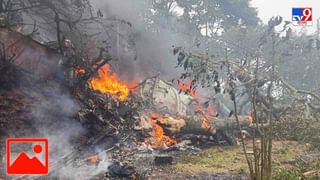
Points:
x=157, y=138
x=93, y=160
x=186, y=86
x=115, y=103
x=108, y=83
x=107, y=111
x=79, y=71
x=120, y=119
x=178, y=113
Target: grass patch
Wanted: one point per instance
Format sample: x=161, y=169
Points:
x=215, y=160
x=231, y=160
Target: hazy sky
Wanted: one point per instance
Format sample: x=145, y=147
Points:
x=269, y=8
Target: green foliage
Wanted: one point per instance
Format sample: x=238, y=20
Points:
x=210, y=16
x=300, y=62
x=238, y=10
x=219, y=13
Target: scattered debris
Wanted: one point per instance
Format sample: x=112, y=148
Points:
x=125, y=122
x=120, y=170
x=163, y=160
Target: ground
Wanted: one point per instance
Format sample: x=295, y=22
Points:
x=291, y=159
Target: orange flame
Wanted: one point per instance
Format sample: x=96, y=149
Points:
x=109, y=83
x=206, y=113
x=157, y=138
x=92, y=159
x=187, y=87
x=205, y=122
x=79, y=71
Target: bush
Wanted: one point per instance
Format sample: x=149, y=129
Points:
x=295, y=126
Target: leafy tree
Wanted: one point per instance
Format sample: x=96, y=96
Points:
x=215, y=15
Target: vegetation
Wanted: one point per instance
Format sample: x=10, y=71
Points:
x=223, y=49
x=230, y=160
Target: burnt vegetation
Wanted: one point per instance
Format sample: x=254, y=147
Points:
x=131, y=94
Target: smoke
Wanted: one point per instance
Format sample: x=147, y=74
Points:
x=53, y=115
x=83, y=170
x=146, y=52
x=141, y=53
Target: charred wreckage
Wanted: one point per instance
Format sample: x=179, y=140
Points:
x=98, y=125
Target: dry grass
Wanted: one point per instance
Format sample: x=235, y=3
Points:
x=230, y=159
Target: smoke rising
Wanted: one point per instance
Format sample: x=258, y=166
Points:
x=141, y=52
x=146, y=52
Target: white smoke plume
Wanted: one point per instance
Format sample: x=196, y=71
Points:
x=151, y=52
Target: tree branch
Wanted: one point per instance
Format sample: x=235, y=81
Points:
x=294, y=90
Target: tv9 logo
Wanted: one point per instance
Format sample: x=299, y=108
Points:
x=302, y=16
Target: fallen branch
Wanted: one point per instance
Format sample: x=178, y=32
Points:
x=294, y=90
x=200, y=124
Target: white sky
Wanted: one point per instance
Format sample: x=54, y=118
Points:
x=269, y=8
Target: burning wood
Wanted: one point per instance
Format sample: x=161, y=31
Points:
x=205, y=124
x=180, y=114
x=79, y=71
x=176, y=123
x=162, y=125
x=92, y=159
x=157, y=138
x=187, y=87
x=108, y=82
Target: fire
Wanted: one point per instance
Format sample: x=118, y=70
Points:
x=206, y=114
x=187, y=87
x=109, y=83
x=157, y=138
x=79, y=71
x=205, y=123
x=92, y=159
